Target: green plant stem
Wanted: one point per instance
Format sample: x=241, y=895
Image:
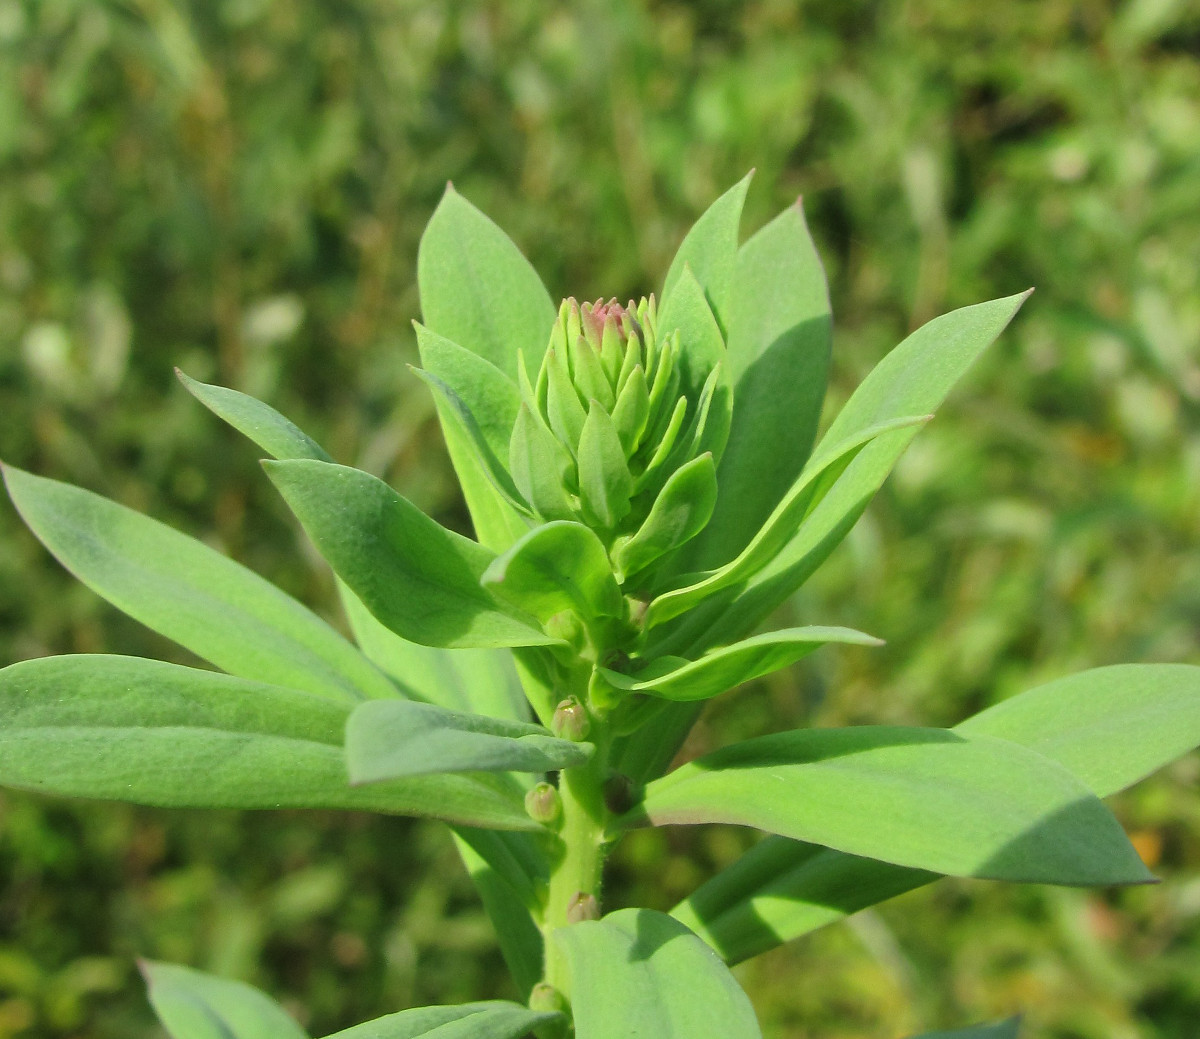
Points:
x=578, y=872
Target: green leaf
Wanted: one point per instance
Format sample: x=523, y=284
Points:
x=494, y=1019
x=418, y=578
x=405, y=738
x=710, y=249
x=911, y=380
x=812, y=486
x=632, y=410
x=558, y=566
x=477, y=289
x=193, y=1005
x=778, y=364
x=701, y=347
x=184, y=590
x=1109, y=726
x=640, y=973
x=129, y=729
x=564, y=409
x=540, y=466
x=507, y=902
x=1004, y=1030
x=258, y=422
x=605, y=483
x=678, y=514
x=926, y=798
x=723, y=669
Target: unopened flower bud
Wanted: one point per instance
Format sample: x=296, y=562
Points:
x=583, y=907
x=546, y=999
x=618, y=793
x=543, y=804
x=571, y=721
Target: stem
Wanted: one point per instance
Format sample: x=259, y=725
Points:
x=578, y=872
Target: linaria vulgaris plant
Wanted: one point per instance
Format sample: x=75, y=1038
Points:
x=646, y=487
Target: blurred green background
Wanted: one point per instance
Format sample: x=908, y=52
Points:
x=238, y=187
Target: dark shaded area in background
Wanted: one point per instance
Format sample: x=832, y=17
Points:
x=238, y=188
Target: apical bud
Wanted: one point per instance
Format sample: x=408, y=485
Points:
x=583, y=907
x=543, y=804
x=571, y=721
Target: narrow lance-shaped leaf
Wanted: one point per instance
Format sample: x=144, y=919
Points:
x=414, y=575
x=926, y=798
x=674, y=678
x=678, y=514
x=778, y=360
x=403, y=738
x=710, y=250
x=814, y=483
x=637, y=972
x=147, y=732
x=605, y=483
x=1109, y=726
x=478, y=290
x=184, y=590
x=494, y=1019
x=558, y=566
x=540, y=466
x=194, y=1005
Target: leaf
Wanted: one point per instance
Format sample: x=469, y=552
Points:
x=640, y=973
x=1109, y=726
x=258, y=422
x=812, y=485
x=701, y=347
x=540, y=466
x=678, y=514
x=722, y=669
x=558, y=566
x=494, y=1019
x=194, y=1005
x=632, y=410
x=778, y=363
x=420, y=579
x=1004, y=1030
x=147, y=732
x=911, y=380
x=926, y=798
x=477, y=289
x=605, y=483
x=184, y=590
x=405, y=738
x=710, y=250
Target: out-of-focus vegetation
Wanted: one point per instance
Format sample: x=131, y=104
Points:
x=238, y=188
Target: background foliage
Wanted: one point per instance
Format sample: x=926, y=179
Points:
x=238, y=188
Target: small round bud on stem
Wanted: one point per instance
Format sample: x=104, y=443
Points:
x=571, y=720
x=546, y=999
x=543, y=804
x=618, y=793
x=583, y=907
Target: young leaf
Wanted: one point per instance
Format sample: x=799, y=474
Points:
x=1109, y=726
x=540, y=466
x=558, y=566
x=637, y=972
x=194, y=1005
x=778, y=360
x=493, y=1019
x=477, y=289
x=632, y=410
x=723, y=669
x=912, y=380
x=678, y=513
x=258, y=422
x=130, y=729
x=1004, y=1030
x=564, y=409
x=701, y=345
x=420, y=579
x=416, y=739
x=813, y=484
x=927, y=798
x=710, y=249
x=605, y=483
x=184, y=590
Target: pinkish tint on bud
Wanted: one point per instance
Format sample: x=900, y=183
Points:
x=571, y=721
x=583, y=907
